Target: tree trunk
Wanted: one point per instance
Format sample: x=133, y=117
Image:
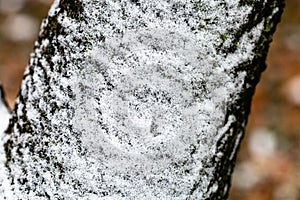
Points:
x=4, y=111
x=137, y=99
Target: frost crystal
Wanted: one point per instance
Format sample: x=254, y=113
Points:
x=132, y=101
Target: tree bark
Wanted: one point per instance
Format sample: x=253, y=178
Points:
x=4, y=111
x=137, y=99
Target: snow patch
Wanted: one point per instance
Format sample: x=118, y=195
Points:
x=4, y=120
x=135, y=113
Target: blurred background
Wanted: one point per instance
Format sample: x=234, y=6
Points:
x=268, y=166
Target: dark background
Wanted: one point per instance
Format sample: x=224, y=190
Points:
x=268, y=166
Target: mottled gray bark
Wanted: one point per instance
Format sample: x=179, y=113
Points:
x=137, y=99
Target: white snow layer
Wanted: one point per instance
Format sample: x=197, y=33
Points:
x=4, y=116
x=4, y=120
x=150, y=99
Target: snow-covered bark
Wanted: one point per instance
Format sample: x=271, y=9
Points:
x=4, y=119
x=137, y=99
x=4, y=112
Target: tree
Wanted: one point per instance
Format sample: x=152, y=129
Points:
x=137, y=99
